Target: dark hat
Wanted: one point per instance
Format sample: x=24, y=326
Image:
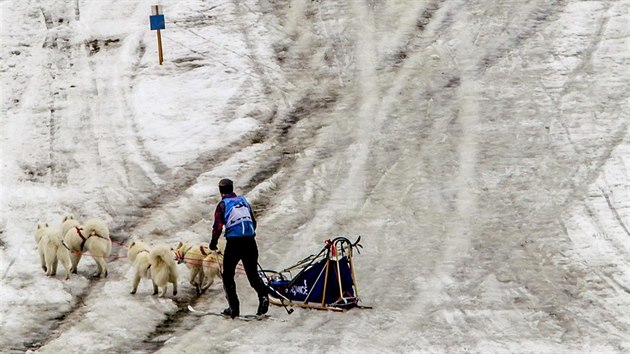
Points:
x=226, y=186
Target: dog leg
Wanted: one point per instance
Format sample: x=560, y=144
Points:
x=99, y=268
x=54, y=263
x=62, y=256
x=49, y=271
x=49, y=266
x=192, y=280
x=42, y=260
x=202, y=277
x=48, y=255
x=75, y=257
x=102, y=267
x=164, y=291
x=210, y=281
x=136, y=281
x=174, y=287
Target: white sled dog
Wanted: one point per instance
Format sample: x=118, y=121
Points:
x=40, y=232
x=193, y=255
x=212, y=267
x=139, y=256
x=51, y=249
x=163, y=268
x=67, y=224
x=93, y=237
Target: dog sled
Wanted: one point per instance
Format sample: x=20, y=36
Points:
x=325, y=281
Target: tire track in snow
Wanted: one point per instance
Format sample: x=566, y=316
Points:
x=545, y=275
x=537, y=18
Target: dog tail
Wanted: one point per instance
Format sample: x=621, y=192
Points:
x=96, y=226
x=163, y=265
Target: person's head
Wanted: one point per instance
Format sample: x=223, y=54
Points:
x=226, y=186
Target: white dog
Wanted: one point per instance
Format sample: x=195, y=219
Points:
x=52, y=249
x=163, y=267
x=93, y=236
x=202, y=263
x=70, y=223
x=139, y=256
x=192, y=255
x=42, y=230
x=212, y=267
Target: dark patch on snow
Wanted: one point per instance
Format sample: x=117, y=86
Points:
x=453, y=82
x=95, y=45
x=36, y=172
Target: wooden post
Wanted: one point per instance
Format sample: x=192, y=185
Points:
x=157, y=23
x=160, y=55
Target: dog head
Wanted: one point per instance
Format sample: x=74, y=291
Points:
x=40, y=231
x=180, y=252
x=135, y=247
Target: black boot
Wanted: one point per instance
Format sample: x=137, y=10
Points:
x=263, y=305
x=232, y=299
x=233, y=313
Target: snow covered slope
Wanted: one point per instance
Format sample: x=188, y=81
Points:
x=480, y=148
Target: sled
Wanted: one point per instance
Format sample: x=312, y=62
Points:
x=325, y=281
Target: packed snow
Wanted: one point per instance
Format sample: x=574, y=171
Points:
x=479, y=148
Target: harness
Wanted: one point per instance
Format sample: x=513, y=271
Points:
x=83, y=238
x=63, y=243
x=179, y=257
x=202, y=251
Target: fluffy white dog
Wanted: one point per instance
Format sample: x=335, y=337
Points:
x=201, y=262
x=192, y=255
x=40, y=232
x=69, y=223
x=163, y=267
x=93, y=237
x=212, y=267
x=51, y=249
x=139, y=256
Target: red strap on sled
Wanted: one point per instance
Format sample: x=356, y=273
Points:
x=330, y=246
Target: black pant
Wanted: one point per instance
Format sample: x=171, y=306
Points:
x=241, y=249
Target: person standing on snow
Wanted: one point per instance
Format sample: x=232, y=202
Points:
x=235, y=213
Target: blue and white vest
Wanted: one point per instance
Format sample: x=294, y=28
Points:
x=238, y=218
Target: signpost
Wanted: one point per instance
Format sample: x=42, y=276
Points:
x=157, y=23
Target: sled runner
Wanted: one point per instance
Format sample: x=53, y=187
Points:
x=324, y=281
x=241, y=317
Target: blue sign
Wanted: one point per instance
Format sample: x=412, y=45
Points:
x=157, y=22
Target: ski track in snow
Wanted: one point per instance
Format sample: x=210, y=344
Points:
x=479, y=149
